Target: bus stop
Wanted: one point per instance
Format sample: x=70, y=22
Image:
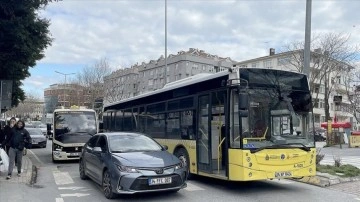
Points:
x=354, y=140
x=336, y=132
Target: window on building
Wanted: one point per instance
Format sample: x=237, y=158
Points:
x=316, y=103
x=317, y=118
x=267, y=64
x=151, y=82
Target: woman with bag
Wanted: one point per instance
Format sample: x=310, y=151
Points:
x=7, y=132
x=19, y=140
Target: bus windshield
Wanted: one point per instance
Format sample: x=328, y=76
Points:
x=71, y=125
x=279, y=113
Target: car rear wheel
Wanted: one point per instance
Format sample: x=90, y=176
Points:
x=184, y=158
x=106, y=185
x=82, y=170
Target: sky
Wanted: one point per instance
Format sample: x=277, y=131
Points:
x=126, y=32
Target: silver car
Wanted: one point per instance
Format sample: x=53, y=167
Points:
x=128, y=163
x=37, y=137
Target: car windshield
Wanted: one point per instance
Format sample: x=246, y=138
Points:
x=34, y=131
x=132, y=143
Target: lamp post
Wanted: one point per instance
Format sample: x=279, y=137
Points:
x=64, y=83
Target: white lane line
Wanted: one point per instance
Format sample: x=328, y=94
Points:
x=357, y=199
x=281, y=181
x=62, y=178
x=192, y=187
x=75, y=194
x=71, y=188
x=36, y=157
x=59, y=200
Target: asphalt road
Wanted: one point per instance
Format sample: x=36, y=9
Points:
x=61, y=182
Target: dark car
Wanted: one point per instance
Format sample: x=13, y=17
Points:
x=128, y=163
x=37, y=137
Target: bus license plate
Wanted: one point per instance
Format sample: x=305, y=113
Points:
x=156, y=181
x=283, y=174
x=74, y=154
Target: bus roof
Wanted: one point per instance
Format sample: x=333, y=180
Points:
x=198, y=78
x=71, y=110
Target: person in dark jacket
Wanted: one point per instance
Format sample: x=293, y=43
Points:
x=7, y=131
x=19, y=140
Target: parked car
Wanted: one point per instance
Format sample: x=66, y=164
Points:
x=37, y=137
x=43, y=128
x=128, y=163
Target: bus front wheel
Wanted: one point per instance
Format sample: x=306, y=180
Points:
x=184, y=158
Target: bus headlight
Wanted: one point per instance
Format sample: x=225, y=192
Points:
x=57, y=147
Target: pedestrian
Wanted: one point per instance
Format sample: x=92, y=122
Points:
x=7, y=131
x=19, y=140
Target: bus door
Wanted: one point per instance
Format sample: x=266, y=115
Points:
x=211, y=139
x=203, y=142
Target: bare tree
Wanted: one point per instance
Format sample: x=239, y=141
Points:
x=28, y=107
x=332, y=56
x=353, y=91
x=92, y=79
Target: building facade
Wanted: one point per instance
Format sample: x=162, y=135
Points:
x=336, y=82
x=146, y=77
x=65, y=95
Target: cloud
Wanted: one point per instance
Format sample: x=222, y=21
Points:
x=129, y=32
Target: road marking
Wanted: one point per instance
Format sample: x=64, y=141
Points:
x=62, y=178
x=36, y=157
x=357, y=199
x=59, y=200
x=281, y=181
x=192, y=187
x=72, y=188
x=75, y=194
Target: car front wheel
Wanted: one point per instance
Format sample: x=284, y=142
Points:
x=106, y=185
x=82, y=170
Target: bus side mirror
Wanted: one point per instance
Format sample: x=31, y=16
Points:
x=243, y=101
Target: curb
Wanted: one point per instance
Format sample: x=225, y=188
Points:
x=324, y=181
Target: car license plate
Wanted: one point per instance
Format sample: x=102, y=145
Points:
x=156, y=181
x=283, y=174
x=74, y=154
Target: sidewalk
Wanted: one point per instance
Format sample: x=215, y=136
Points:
x=347, y=155
x=10, y=188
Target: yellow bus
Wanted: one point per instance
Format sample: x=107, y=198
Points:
x=240, y=125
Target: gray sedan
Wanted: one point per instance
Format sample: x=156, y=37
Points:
x=37, y=137
x=128, y=163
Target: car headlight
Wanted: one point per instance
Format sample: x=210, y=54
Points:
x=127, y=169
x=179, y=166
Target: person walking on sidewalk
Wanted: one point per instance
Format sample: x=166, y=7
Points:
x=19, y=140
x=7, y=132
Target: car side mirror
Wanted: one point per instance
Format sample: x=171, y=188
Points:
x=165, y=147
x=97, y=149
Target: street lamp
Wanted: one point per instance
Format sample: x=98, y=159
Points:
x=64, y=83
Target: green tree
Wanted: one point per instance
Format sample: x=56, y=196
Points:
x=23, y=38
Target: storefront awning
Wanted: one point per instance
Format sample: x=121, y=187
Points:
x=337, y=125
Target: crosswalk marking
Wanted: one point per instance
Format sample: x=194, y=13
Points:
x=282, y=181
x=192, y=187
x=62, y=178
x=352, y=160
x=59, y=200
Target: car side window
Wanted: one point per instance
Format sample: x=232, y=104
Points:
x=102, y=143
x=92, y=141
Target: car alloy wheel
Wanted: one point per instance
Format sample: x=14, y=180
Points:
x=82, y=170
x=106, y=184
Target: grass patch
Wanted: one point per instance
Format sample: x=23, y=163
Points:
x=341, y=171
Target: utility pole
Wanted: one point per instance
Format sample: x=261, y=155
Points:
x=165, y=69
x=64, y=83
x=306, y=67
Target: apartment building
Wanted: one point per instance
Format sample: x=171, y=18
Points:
x=65, y=95
x=145, y=77
x=337, y=82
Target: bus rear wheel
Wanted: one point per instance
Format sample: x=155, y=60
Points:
x=184, y=158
